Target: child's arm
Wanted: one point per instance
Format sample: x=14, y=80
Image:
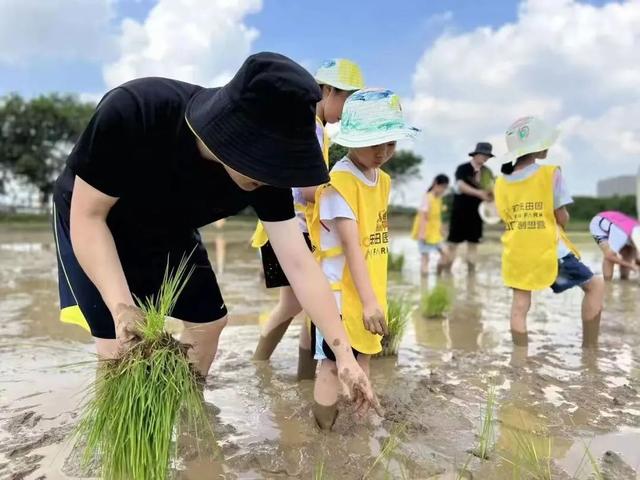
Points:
x=562, y=216
x=374, y=320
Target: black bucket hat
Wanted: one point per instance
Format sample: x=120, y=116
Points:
x=483, y=148
x=262, y=123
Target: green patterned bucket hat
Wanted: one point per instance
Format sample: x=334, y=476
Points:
x=372, y=117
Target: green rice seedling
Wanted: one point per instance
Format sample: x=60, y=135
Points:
x=596, y=472
x=318, y=472
x=486, y=436
x=532, y=455
x=389, y=447
x=435, y=302
x=463, y=473
x=395, y=262
x=398, y=314
x=138, y=400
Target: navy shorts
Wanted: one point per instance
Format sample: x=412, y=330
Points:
x=80, y=302
x=571, y=273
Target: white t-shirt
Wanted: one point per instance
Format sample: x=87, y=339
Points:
x=602, y=229
x=334, y=206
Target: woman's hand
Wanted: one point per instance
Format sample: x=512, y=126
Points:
x=128, y=319
x=356, y=385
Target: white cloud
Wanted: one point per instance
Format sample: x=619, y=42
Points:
x=32, y=30
x=200, y=41
x=576, y=65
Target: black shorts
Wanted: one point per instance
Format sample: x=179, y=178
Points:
x=274, y=277
x=201, y=300
x=465, y=226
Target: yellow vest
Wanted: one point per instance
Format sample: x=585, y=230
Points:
x=369, y=203
x=433, y=226
x=259, y=237
x=530, y=240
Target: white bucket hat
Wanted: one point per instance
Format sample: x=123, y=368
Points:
x=528, y=135
x=340, y=73
x=372, y=117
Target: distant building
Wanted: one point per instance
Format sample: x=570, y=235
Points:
x=622, y=185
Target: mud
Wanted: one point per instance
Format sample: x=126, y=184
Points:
x=433, y=393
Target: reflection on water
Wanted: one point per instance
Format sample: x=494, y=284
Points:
x=552, y=391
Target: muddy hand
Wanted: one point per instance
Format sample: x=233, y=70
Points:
x=127, y=320
x=357, y=387
x=374, y=320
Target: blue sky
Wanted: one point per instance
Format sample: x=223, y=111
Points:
x=387, y=42
x=465, y=69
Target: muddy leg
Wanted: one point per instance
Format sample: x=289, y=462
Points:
x=607, y=270
x=306, y=363
x=519, y=309
x=472, y=256
x=591, y=310
x=628, y=255
x=279, y=320
x=325, y=395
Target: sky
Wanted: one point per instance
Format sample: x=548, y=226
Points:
x=465, y=69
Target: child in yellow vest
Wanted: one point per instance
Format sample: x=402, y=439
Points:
x=338, y=78
x=427, y=225
x=349, y=229
x=537, y=254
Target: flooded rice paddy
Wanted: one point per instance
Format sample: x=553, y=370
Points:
x=555, y=400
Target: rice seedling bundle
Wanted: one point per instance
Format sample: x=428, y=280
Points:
x=138, y=400
x=398, y=313
x=435, y=302
x=395, y=262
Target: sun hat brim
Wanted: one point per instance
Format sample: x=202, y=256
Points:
x=252, y=149
x=527, y=149
x=488, y=213
x=339, y=85
x=361, y=140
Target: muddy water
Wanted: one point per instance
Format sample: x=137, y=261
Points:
x=554, y=397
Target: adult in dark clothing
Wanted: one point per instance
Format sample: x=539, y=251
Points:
x=473, y=184
x=161, y=158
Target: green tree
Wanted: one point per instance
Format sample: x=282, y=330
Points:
x=403, y=166
x=36, y=134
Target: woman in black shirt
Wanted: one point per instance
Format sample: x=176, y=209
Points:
x=161, y=158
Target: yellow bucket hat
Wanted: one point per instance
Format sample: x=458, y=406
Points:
x=340, y=73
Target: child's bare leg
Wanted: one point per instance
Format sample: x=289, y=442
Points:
x=607, y=270
x=519, y=309
x=306, y=362
x=592, y=310
x=628, y=255
x=446, y=262
x=279, y=320
x=424, y=263
x=472, y=256
x=325, y=395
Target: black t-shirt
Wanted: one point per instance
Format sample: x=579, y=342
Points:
x=462, y=203
x=138, y=147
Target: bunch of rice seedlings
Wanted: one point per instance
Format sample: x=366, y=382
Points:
x=435, y=302
x=398, y=313
x=486, y=436
x=137, y=400
x=532, y=455
x=395, y=262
